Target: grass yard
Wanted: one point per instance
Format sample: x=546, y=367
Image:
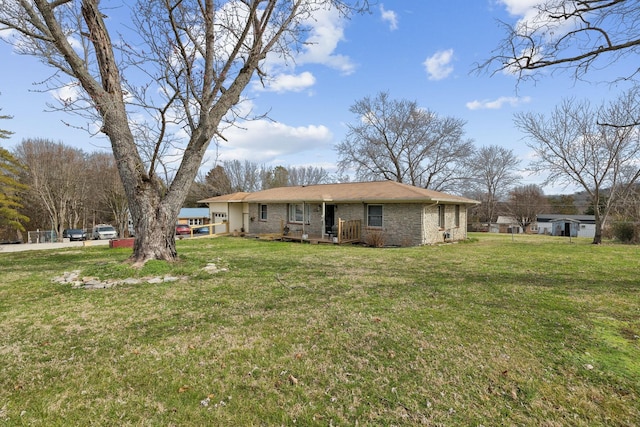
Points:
x=527, y=331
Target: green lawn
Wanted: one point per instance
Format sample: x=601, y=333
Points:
x=533, y=331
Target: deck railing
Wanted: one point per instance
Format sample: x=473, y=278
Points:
x=349, y=230
x=210, y=229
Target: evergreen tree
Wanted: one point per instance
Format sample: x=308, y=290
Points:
x=10, y=188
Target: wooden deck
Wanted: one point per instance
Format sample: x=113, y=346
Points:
x=347, y=232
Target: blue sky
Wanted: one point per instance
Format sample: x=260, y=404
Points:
x=419, y=50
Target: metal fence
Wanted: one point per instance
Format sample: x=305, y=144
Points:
x=42, y=236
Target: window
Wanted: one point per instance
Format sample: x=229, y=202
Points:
x=457, y=216
x=195, y=221
x=296, y=212
x=374, y=215
x=219, y=217
x=441, y=216
x=263, y=212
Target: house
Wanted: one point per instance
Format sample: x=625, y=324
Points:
x=506, y=224
x=194, y=216
x=399, y=214
x=567, y=225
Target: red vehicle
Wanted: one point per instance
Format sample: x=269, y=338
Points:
x=183, y=229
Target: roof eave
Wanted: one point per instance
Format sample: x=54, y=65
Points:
x=363, y=200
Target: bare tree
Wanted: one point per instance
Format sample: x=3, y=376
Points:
x=79, y=190
x=177, y=66
x=54, y=176
x=215, y=183
x=249, y=176
x=629, y=207
x=244, y=176
x=399, y=141
x=525, y=203
x=574, y=146
x=309, y=175
x=491, y=174
x=577, y=35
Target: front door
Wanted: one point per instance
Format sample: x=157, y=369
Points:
x=329, y=218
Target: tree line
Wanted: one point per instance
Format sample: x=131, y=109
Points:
x=63, y=187
x=231, y=176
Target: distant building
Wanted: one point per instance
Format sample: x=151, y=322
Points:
x=194, y=216
x=567, y=225
x=506, y=224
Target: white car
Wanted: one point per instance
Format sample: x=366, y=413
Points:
x=104, y=232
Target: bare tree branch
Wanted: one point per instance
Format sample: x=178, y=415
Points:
x=570, y=35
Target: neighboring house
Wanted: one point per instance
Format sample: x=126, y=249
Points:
x=506, y=224
x=567, y=225
x=402, y=215
x=194, y=216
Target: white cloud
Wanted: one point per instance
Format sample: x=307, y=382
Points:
x=69, y=93
x=289, y=83
x=327, y=30
x=533, y=18
x=264, y=141
x=497, y=104
x=75, y=43
x=389, y=16
x=438, y=65
x=519, y=7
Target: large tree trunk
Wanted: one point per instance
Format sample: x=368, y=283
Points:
x=154, y=210
x=155, y=239
x=597, y=237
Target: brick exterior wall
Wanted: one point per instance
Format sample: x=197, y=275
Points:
x=275, y=214
x=433, y=233
x=401, y=225
x=404, y=224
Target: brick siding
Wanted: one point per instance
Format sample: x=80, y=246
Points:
x=404, y=224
